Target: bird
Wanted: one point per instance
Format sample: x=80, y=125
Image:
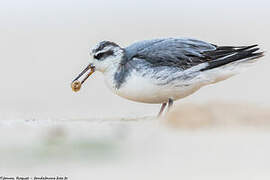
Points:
x=161, y=71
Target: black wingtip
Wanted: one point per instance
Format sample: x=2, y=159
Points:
x=259, y=54
x=237, y=53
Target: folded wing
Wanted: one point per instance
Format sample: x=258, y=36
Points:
x=187, y=53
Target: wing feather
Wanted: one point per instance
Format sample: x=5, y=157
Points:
x=184, y=53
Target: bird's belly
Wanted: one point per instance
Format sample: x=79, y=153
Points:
x=147, y=90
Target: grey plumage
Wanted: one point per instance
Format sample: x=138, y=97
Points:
x=179, y=55
x=102, y=45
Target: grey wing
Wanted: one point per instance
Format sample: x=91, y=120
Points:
x=132, y=50
x=186, y=53
x=182, y=53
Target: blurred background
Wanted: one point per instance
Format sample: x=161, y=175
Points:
x=45, y=44
x=48, y=129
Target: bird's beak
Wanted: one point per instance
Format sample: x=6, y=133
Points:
x=76, y=84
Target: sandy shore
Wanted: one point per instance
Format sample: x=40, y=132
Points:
x=214, y=141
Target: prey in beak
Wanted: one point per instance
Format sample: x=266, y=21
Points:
x=76, y=84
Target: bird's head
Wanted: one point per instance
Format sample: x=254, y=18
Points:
x=104, y=56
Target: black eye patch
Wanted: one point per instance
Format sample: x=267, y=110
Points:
x=103, y=55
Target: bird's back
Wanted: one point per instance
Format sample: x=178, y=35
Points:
x=186, y=53
x=169, y=48
x=175, y=68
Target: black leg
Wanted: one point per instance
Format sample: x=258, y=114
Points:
x=170, y=103
x=162, y=109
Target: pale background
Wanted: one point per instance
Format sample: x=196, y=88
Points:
x=45, y=44
x=47, y=130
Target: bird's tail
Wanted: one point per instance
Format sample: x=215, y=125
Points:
x=229, y=65
x=234, y=54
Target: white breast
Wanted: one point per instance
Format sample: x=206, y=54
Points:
x=150, y=88
x=146, y=89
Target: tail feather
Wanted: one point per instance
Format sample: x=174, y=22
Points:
x=227, y=54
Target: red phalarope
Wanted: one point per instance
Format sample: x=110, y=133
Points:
x=163, y=70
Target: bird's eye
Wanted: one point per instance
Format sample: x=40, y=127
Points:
x=103, y=55
x=98, y=56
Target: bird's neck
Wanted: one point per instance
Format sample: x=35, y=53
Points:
x=116, y=76
x=109, y=75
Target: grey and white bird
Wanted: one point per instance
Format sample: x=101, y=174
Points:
x=164, y=70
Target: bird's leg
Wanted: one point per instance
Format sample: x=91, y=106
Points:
x=170, y=103
x=162, y=109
